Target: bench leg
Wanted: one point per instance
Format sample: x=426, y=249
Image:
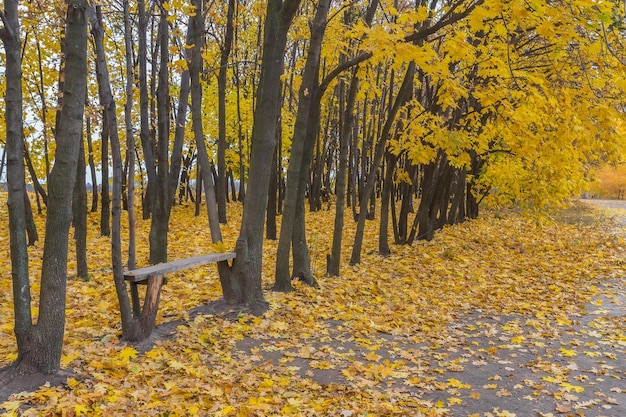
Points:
x=134, y=296
x=150, y=305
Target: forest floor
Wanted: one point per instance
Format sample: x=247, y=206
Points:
x=500, y=316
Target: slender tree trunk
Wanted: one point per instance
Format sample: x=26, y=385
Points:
x=44, y=107
x=230, y=287
x=386, y=200
x=144, y=104
x=130, y=140
x=79, y=211
x=308, y=93
x=333, y=261
x=105, y=194
x=92, y=164
x=272, y=200
x=222, y=187
x=159, y=225
x=16, y=181
x=33, y=176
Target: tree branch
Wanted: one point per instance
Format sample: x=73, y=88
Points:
x=5, y=32
x=447, y=19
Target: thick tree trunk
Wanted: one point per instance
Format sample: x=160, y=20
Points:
x=42, y=350
x=247, y=266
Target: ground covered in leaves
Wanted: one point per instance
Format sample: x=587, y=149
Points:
x=501, y=316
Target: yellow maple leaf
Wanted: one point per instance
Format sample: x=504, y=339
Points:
x=80, y=409
x=127, y=353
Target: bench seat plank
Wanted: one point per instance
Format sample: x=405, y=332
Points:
x=141, y=274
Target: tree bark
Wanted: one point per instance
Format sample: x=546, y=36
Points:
x=299, y=145
x=130, y=140
x=79, y=212
x=333, y=261
x=247, y=266
x=45, y=340
x=230, y=287
x=16, y=181
x=144, y=133
x=92, y=165
x=386, y=200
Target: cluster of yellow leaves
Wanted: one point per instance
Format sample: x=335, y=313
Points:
x=218, y=365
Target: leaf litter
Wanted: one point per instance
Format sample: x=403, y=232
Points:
x=499, y=316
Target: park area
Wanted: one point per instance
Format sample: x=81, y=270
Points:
x=505, y=315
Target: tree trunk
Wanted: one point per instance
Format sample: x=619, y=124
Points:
x=272, y=200
x=247, y=266
x=308, y=93
x=130, y=141
x=383, y=235
x=16, y=181
x=144, y=133
x=33, y=176
x=160, y=212
x=222, y=185
x=79, y=215
x=230, y=287
x=40, y=347
x=105, y=194
x=92, y=164
x=333, y=261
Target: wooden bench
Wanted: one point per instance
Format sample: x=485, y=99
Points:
x=153, y=276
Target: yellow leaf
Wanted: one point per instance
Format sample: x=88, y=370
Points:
x=80, y=409
x=72, y=383
x=568, y=353
x=570, y=387
x=219, y=247
x=127, y=353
